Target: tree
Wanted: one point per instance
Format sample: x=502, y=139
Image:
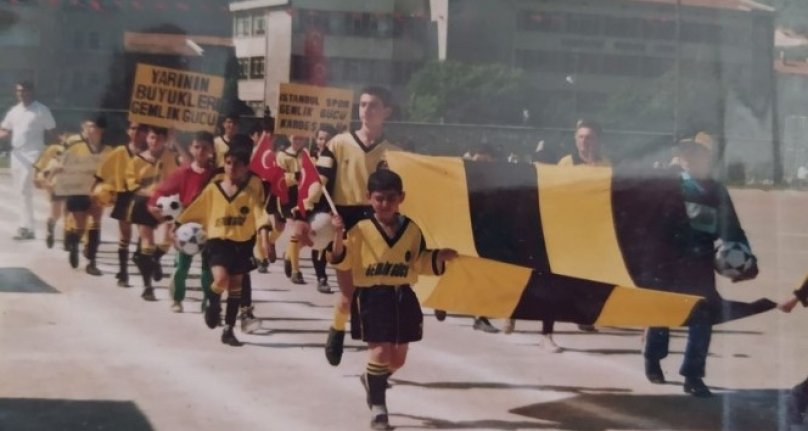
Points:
x=460, y=93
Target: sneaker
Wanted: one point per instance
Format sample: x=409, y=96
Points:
x=124, y=283
x=287, y=268
x=148, y=294
x=229, y=338
x=176, y=307
x=653, y=371
x=73, y=255
x=272, y=253
x=24, y=234
x=334, y=346
x=380, y=422
x=440, y=315
x=263, y=266
x=510, y=325
x=248, y=321
x=297, y=278
x=203, y=305
x=212, y=314
x=587, y=328
x=322, y=286
x=482, y=324
x=49, y=239
x=92, y=270
x=548, y=345
x=363, y=378
x=695, y=386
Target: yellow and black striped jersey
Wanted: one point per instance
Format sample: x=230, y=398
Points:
x=375, y=259
x=220, y=146
x=144, y=175
x=345, y=165
x=235, y=218
x=289, y=161
x=79, y=162
x=112, y=170
x=51, y=152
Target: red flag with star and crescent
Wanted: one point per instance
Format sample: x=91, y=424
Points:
x=264, y=165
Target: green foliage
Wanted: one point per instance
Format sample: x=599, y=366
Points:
x=461, y=93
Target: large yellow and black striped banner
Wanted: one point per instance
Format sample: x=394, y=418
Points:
x=568, y=243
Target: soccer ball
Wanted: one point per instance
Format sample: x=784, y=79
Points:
x=104, y=195
x=190, y=238
x=733, y=259
x=170, y=206
x=322, y=232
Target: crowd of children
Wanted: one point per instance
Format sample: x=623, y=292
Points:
x=242, y=219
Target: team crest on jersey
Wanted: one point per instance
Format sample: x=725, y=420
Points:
x=244, y=210
x=407, y=255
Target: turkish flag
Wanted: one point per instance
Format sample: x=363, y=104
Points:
x=264, y=165
x=308, y=177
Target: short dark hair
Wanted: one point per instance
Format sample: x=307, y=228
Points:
x=26, y=85
x=140, y=126
x=240, y=148
x=331, y=130
x=98, y=120
x=382, y=93
x=203, y=136
x=231, y=116
x=157, y=130
x=384, y=180
x=588, y=124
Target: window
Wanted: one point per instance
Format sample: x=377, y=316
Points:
x=653, y=67
x=630, y=46
x=585, y=24
x=243, y=26
x=621, y=65
x=257, y=68
x=661, y=28
x=622, y=27
x=259, y=25
x=243, y=68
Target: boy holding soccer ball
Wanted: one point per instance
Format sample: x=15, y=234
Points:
x=188, y=181
x=711, y=218
x=229, y=209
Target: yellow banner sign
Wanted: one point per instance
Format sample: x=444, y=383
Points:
x=303, y=108
x=77, y=175
x=176, y=99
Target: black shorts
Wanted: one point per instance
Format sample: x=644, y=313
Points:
x=235, y=256
x=139, y=212
x=386, y=314
x=78, y=203
x=275, y=209
x=353, y=214
x=121, y=209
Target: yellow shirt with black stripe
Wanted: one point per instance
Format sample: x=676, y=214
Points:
x=112, y=170
x=220, y=146
x=77, y=149
x=45, y=162
x=375, y=259
x=234, y=218
x=144, y=175
x=345, y=165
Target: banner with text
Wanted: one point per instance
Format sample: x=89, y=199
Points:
x=303, y=108
x=174, y=98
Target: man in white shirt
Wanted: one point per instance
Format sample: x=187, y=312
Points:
x=26, y=123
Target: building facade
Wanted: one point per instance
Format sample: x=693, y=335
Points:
x=348, y=44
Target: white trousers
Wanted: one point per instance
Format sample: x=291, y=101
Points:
x=22, y=176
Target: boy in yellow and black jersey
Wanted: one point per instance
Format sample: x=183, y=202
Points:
x=112, y=173
x=229, y=209
x=43, y=179
x=221, y=144
x=344, y=165
x=82, y=155
x=143, y=174
x=384, y=255
x=289, y=160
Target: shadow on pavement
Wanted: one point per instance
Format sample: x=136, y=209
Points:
x=744, y=410
x=37, y=414
x=498, y=385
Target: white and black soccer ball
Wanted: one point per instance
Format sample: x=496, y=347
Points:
x=322, y=231
x=190, y=238
x=733, y=259
x=170, y=206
